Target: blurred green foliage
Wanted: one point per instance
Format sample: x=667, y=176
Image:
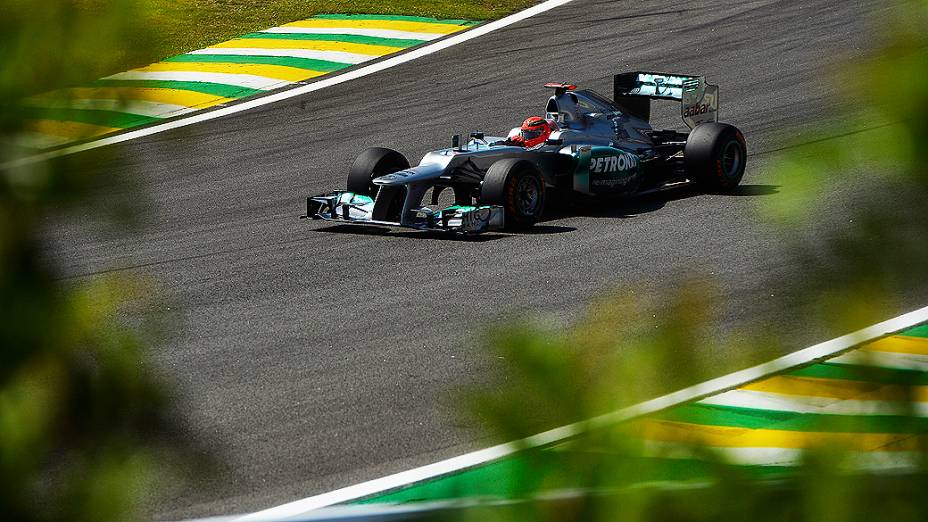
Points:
x=627, y=347
x=57, y=43
x=877, y=144
x=82, y=418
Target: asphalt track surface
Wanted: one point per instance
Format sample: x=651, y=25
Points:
x=312, y=357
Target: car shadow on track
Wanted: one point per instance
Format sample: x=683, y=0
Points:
x=754, y=190
x=363, y=230
x=560, y=208
x=629, y=207
x=367, y=230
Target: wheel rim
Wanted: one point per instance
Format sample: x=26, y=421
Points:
x=528, y=195
x=731, y=159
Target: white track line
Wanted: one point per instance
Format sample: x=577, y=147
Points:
x=425, y=50
x=380, y=33
x=721, y=384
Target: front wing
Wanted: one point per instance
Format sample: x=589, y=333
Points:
x=357, y=209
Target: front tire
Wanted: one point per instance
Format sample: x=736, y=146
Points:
x=373, y=163
x=519, y=187
x=714, y=156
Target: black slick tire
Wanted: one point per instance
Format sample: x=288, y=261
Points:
x=373, y=163
x=715, y=156
x=519, y=187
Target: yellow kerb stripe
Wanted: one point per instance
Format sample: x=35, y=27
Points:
x=312, y=45
x=158, y=95
x=899, y=344
x=726, y=437
x=836, y=389
x=277, y=72
x=68, y=129
x=395, y=25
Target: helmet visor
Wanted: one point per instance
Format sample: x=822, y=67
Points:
x=531, y=134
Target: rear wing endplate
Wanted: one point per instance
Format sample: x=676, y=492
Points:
x=699, y=101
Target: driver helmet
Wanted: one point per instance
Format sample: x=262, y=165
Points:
x=535, y=131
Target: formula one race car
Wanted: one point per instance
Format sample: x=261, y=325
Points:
x=586, y=143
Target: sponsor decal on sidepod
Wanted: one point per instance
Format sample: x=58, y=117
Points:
x=620, y=163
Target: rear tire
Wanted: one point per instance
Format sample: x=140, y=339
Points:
x=715, y=155
x=518, y=186
x=373, y=163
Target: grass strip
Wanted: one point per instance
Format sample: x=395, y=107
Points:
x=185, y=25
x=423, y=19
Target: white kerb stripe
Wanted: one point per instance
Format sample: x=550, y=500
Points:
x=751, y=456
x=807, y=404
x=331, y=56
x=700, y=391
x=140, y=107
x=241, y=80
x=763, y=456
x=380, y=33
x=37, y=140
x=894, y=360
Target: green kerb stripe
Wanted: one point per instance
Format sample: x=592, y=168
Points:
x=734, y=417
x=852, y=372
x=918, y=331
x=301, y=63
x=538, y=471
x=397, y=18
x=117, y=119
x=216, y=89
x=347, y=38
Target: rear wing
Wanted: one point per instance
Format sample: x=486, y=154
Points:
x=633, y=91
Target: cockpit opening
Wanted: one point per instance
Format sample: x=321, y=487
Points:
x=573, y=108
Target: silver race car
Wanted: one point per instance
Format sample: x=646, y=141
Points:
x=586, y=143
